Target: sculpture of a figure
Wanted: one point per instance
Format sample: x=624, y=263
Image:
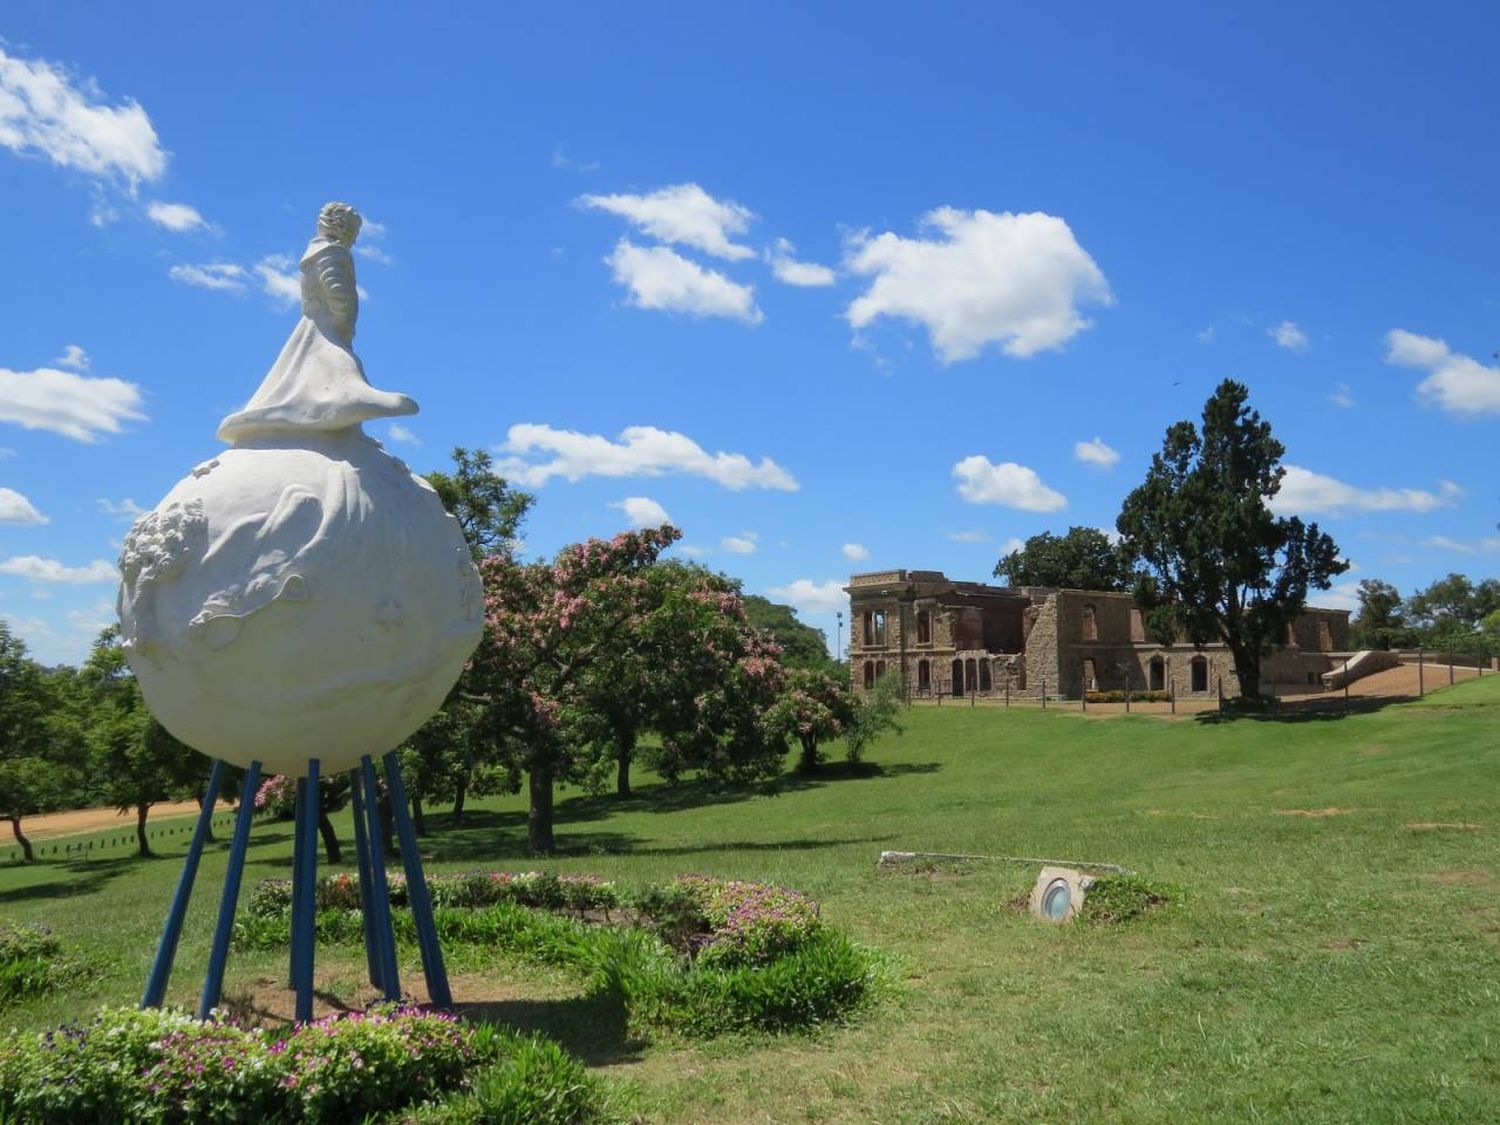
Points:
x=318, y=383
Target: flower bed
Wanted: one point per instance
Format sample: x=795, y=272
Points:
x=160, y=1066
x=272, y=898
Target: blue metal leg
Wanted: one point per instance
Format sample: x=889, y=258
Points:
x=298, y=836
x=380, y=900
x=362, y=853
x=166, y=950
x=213, y=981
x=304, y=941
x=416, y=888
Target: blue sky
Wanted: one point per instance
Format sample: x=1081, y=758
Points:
x=865, y=287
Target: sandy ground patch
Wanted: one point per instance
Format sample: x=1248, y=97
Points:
x=80, y=821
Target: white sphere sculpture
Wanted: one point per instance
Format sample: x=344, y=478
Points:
x=301, y=595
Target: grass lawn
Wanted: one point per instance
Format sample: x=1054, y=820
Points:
x=1333, y=953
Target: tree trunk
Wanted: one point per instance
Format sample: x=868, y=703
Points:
x=458, y=801
x=539, y=822
x=622, y=774
x=1247, y=672
x=418, y=816
x=140, y=828
x=387, y=824
x=330, y=837
x=15, y=827
x=809, y=760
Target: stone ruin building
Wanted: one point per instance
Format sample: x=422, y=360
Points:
x=969, y=638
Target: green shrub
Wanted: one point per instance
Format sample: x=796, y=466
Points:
x=31, y=962
x=750, y=923
x=535, y=1081
x=1115, y=696
x=1120, y=898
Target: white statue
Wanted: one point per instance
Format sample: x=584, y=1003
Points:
x=301, y=595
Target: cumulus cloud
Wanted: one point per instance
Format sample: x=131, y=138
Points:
x=807, y=596
x=1011, y=545
x=38, y=569
x=739, y=544
x=64, y=402
x=397, y=432
x=981, y=278
x=1446, y=544
x=371, y=237
x=279, y=279
x=790, y=271
x=1456, y=382
x=684, y=214
x=976, y=535
x=224, y=276
x=127, y=509
x=642, y=511
x=1010, y=485
x=855, y=552
x=641, y=451
x=15, y=508
x=46, y=111
x=1096, y=453
x=175, y=216
x=1289, y=336
x=1305, y=492
x=660, y=278
x=74, y=358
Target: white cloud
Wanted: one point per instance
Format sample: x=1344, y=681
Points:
x=659, y=278
x=397, y=432
x=74, y=358
x=977, y=535
x=1287, y=335
x=1456, y=382
x=1012, y=544
x=642, y=451
x=279, y=279
x=693, y=551
x=15, y=508
x=792, y=272
x=1096, y=453
x=1307, y=493
x=126, y=509
x=685, y=214
x=1341, y=595
x=1342, y=397
x=855, y=552
x=224, y=276
x=1446, y=544
x=47, y=111
x=807, y=596
x=76, y=406
x=642, y=511
x=1007, y=484
x=50, y=570
x=371, y=234
x=739, y=545
x=561, y=159
x=175, y=216
x=1016, y=280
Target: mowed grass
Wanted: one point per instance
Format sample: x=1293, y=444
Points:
x=1333, y=953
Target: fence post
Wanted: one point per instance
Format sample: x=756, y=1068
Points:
x=1083, y=699
x=1044, y=693
x=1450, y=667
x=1007, y=693
x=1221, y=695
x=1127, y=699
x=1421, y=673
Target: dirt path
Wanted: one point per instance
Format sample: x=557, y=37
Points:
x=80, y=821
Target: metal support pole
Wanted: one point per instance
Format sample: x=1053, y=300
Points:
x=366, y=887
x=166, y=949
x=213, y=981
x=303, y=942
x=299, y=835
x=416, y=889
x=380, y=897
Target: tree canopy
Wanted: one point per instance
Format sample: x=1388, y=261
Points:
x=1083, y=559
x=1219, y=565
x=801, y=645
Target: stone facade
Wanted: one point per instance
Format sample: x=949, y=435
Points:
x=962, y=638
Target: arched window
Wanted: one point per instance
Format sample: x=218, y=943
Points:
x=924, y=627
x=971, y=675
x=1325, y=636
x=958, y=678
x=985, y=683
x=924, y=677
x=1200, y=673
x=1158, y=671
x=879, y=668
x=869, y=674
x=1090, y=675
x=1090, y=626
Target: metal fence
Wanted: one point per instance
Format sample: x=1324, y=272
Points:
x=67, y=849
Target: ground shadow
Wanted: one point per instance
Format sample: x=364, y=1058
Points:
x=594, y=1028
x=83, y=876
x=1304, y=711
x=763, y=845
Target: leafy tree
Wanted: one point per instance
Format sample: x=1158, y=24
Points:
x=488, y=510
x=877, y=711
x=135, y=759
x=1381, y=623
x=29, y=783
x=814, y=707
x=801, y=645
x=1083, y=559
x=1453, y=606
x=1219, y=565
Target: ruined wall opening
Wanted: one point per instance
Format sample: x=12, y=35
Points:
x=1090, y=624
x=1325, y=636
x=879, y=668
x=971, y=677
x=1157, y=671
x=924, y=677
x=924, y=627
x=869, y=674
x=1199, y=674
x=985, y=683
x=958, y=677
x=1090, y=675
